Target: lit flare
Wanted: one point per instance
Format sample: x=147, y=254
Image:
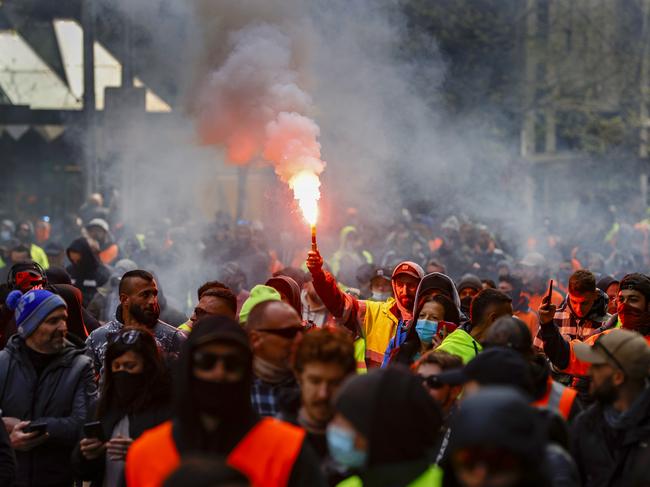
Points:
x=306, y=189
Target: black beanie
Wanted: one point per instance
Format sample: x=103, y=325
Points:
x=393, y=410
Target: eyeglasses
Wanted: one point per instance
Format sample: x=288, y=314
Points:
x=289, y=332
x=207, y=360
x=493, y=459
x=126, y=337
x=431, y=381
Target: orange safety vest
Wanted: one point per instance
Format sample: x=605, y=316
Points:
x=557, y=398
x=266, y=455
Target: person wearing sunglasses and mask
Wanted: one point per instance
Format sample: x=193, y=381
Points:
x=272, y=327
x=135, y=397
x=213, y=415
x=427, y=369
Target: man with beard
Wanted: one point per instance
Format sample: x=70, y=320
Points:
x=138, y=308
x=610, y=439
x=213, y=415
x=376, y=322
x=633, y=312
x=47, y=388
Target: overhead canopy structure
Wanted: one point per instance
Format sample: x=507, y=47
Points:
x=41, y=57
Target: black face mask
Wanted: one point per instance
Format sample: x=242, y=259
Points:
x=127, y=387
x=221, y=399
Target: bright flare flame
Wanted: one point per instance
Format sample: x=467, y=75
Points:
x=306, y=189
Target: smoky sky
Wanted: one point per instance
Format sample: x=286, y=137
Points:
x=379, y=116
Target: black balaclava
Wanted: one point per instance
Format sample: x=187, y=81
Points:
x=229, y=403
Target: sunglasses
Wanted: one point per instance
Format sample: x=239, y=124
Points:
x=232, y=363
x=129, y=337
x=289, y=333
x=495, y=460
x=431, y=381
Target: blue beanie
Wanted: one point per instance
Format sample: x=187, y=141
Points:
x=32, y=308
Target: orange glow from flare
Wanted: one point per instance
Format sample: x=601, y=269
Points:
x=306, y=189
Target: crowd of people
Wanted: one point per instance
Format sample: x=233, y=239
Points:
x=432, y=354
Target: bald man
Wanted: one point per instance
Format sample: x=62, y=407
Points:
x=272, y=327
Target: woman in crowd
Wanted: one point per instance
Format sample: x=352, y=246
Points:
x=434, y=317
x=135, y=396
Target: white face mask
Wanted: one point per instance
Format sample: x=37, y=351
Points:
x=377, y=296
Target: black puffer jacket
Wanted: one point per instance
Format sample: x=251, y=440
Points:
x=60, y=397
x=7, y=460
x=616, y=454
x=89, y=273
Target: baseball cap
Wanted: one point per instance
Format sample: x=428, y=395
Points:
x=381, y=272
x=409, y=268
x=219, y=328
x=624, y=349
x=494, y=366
x=636, y=282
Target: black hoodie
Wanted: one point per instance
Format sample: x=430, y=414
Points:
x=89, y=273
x=499, y=418
x=392, y=409
x=189, y=434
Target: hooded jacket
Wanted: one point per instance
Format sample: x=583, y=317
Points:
x=404, y=348
x=461, y=344
x=89, y=274
x=79, y=321
x=185, y=434
x=374, y=321
x=61, y=397
x=613, y=452
x=288, y=287
x=399, y=445
x=499, y=417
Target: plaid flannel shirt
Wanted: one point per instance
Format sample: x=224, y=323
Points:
x=573, y=328
x=264, y=395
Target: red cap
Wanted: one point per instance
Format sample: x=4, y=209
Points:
x=410, y=268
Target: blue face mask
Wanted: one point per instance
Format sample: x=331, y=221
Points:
x=426, y=330
x=341, y=446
